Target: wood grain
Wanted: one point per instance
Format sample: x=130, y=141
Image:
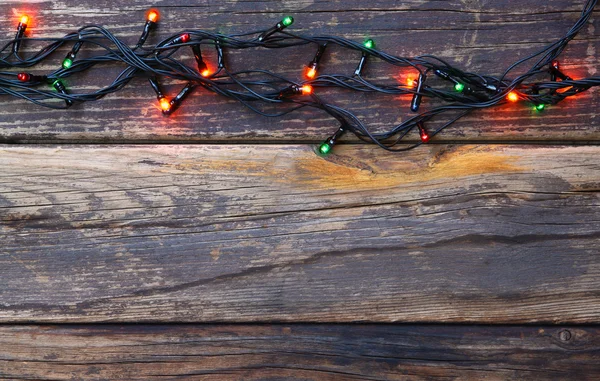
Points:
x=486, y=234
x=273, y=233
x=299, y=352
x=477, y=35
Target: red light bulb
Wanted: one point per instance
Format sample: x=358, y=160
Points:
x=181, y=39
x=24, y=77
x=311, y=72
x=423, y=132
x=513, y=96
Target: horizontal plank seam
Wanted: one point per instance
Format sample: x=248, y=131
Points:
x=50, y=143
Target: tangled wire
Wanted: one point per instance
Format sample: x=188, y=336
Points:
x=257, y=89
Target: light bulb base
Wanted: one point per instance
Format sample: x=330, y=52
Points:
x=281, y=25
x=423, y=132
x=418, y=97
x=60, y=87
x=326, y=147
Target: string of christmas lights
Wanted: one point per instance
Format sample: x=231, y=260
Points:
x=257, y=89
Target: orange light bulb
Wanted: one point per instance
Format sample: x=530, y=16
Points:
x=205, y=73
x=307, y=89
x=153, y=15
x=512, y=96
x=165, y=105
x=410, y=82
x=24, y=19
x=311, y=72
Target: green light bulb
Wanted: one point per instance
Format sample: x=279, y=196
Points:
x=459, y=87
x=369, y=44
x=287, y=20
x=325, y=148
x=67, y=63
x=540, y=107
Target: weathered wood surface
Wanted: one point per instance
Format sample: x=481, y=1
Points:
x=487, y=234
x=299, y=352
x=479, y=35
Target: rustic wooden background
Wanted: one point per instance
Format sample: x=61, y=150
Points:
x=246, y=256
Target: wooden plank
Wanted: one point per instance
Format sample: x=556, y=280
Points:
x=299, y=352
x=478, y=36
x=489, y=234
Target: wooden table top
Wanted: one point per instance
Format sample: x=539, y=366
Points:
x=215, y=244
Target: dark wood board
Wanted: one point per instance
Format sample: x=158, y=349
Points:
x=208, y=233
x=478, y=35
x=272, y=233
x=299, y=352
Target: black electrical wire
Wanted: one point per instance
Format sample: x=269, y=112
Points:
x=273, y=95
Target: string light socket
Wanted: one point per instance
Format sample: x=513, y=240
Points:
x=202, y=67
x=468, y=90
x=70, y=57
x=168, y=107
x=23, y=22
x=535, y=90
x=556, y=72
x=461, y=87
x=458, y=86
x=423, y=132
x=60, y=87
x=327, y=146
x=369, y=44
x=28, y=77
x=163, y=102
x=152, y=18
x=181, y=39
x=156, y=87
x=492, y=88
x=284, y=23
x=311, y=69
x=220, y=55
x=444, y=75
x=176, y=102
x=418, y=96
x=295, y=90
